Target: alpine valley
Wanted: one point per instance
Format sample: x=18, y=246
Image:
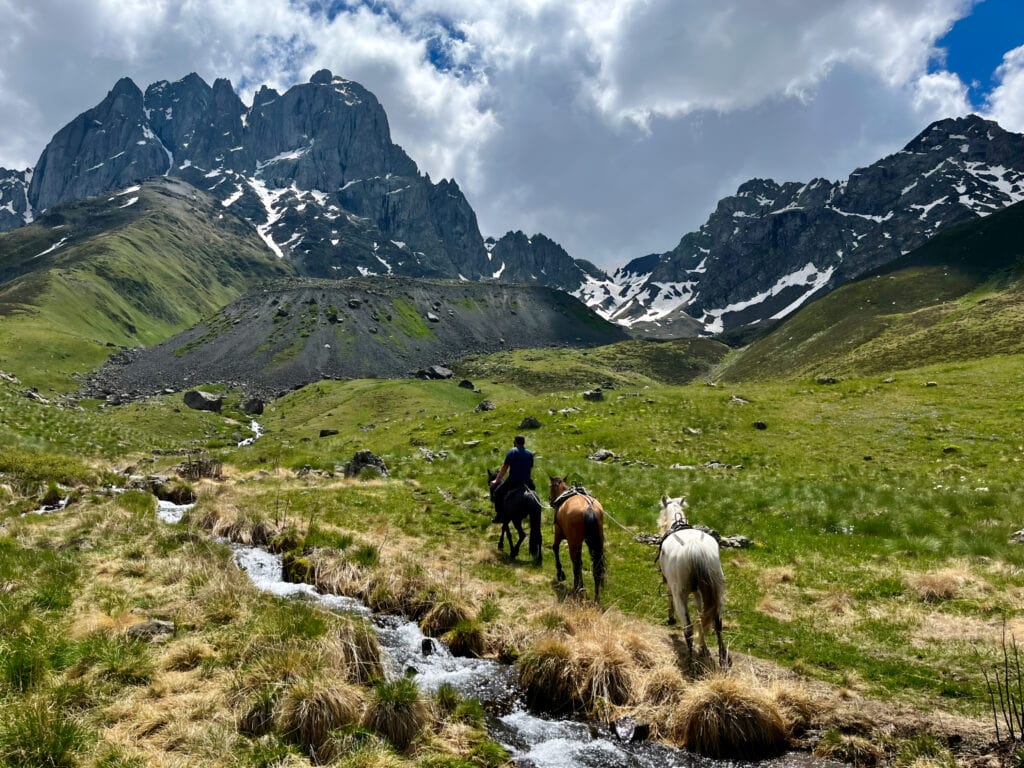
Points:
x=256, y=370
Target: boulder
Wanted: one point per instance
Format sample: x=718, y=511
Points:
x=602, y=454
x=827, y=380
x=1018, y=537
x=466, y=384
x=198, y=400
x=736, y=541
x=363, y=460
x=628, y=729
x=328, y=432
x=253, y=406
x=151, y=631
x=530, y=422
x=593, y=394
x=485, y=405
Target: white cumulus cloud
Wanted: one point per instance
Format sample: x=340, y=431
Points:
x=1006, y=102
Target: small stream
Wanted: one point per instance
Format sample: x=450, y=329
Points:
x=257, y=433
x=534, y=741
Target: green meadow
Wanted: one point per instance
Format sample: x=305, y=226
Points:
x=879, y=509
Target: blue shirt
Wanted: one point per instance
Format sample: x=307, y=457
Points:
x=520, y=463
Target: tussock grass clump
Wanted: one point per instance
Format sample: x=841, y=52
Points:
x=352, y=645
x=606, y=672
x=722, y=717
x=338, y=575
x=465, y=639
x=373, y=754
x=937, y=586
x=397, y=711
x=311, y=708
x=405, y=589
x=187, y=655
x=453, y=706
x=24, y=662
x=588, y=661
x=36, y=733
x=447, y=612
x=797, y=705
x=924, y=751
x=663, y=685
x=113, y=658
x=546, y=672
x=856, y=750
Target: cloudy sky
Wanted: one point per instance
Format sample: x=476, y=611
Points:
x=613, y=126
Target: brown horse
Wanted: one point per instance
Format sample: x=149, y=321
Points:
x=579, y=518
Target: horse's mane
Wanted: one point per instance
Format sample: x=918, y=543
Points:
x=673, y=513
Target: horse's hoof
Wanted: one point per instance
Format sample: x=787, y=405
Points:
x=561, y=577
x=671, y=621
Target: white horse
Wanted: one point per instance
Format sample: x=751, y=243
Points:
x=689, y=563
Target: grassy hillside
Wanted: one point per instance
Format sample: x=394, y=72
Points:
x=960, y=297
x=632, y=363
x=100, y=274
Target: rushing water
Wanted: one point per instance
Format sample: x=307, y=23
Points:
x=257, y=433
x=49, y=507
x=534, y=741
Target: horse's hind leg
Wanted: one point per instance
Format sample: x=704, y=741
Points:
x=688, y=628
x=723, y=653
x=556, y=546
x=705, y=620
x=576, y=555
x=514, y=549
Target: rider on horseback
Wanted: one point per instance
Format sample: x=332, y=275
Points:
x=518, y=467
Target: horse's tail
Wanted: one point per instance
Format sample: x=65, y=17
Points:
x=536, y=510
x=709, y=577
x=593, y=535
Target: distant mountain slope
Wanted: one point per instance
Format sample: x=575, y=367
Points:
x=959, y=297
x=538, y=260
x=769, y=248
x=294, y=332
x=119, y=270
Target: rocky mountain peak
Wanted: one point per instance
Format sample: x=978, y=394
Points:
x=15, y=209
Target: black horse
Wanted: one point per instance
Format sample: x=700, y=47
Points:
x=519, y=504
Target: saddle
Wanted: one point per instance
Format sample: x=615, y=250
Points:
x=679, y=524
x=576, y=490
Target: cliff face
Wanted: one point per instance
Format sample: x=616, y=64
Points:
x=313, y=169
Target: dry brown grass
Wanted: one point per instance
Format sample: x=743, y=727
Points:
x=771, y=577
x=311, y=708
x=445, y=613
x=856, y=750
x=335, y=574
x=944, y=584
x=776, y=608
x=352, y=646
x=664, y=685
x=187, y=654
x=723, y=717
x=590, y=661
x=800, y=708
